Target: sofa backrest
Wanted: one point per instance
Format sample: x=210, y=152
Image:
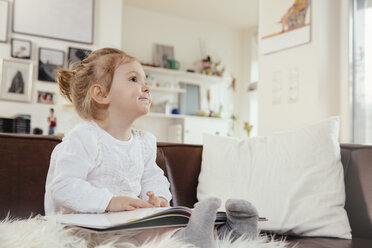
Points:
x=181, y=164
x=357, y=162
x=24, y=163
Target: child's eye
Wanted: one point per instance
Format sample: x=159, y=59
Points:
x=133, y=79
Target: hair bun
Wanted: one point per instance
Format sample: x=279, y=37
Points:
x=64, y=79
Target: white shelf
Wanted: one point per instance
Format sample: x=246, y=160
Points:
x=187, y=77
x=161, y=115
x=174, y=116
x=169, y=90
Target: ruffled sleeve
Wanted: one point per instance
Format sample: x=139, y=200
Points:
x=153, y=178
x=76, y=158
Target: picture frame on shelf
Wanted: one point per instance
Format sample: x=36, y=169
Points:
x=49, y=61
x=21, y=49
x=4, y=13
x=76, y=55
x=161, y=55
x=45, y=97
x=16, y=80
x=68, y=20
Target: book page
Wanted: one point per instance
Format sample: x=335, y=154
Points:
x=106, y=220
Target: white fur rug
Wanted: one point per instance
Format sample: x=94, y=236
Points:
x=38, y=233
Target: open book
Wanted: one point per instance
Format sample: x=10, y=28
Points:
x=140, y=218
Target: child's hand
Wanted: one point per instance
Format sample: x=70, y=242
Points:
x=122, y=203
x=157, y=201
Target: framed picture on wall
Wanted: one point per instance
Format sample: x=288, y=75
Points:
x=16, y=80
x=161, y=55
x=45, y=97
x=21, y=49
x=4, y=10
x=70, y=20
x=76, y=55
x=286, y=24
x=49, y=61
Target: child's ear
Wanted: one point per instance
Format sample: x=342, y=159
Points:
x=98, y=93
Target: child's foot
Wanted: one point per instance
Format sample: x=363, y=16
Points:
x=200, y=229
x=242, y=218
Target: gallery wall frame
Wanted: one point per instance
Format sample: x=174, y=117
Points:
x=21, y=49
x=288, y=24
x=69, y=20
x=45, y=97
x=76, y=55
x=50, y=60
x=16, y=80
x=4, y=16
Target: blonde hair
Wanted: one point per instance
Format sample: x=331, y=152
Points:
x=97, y=68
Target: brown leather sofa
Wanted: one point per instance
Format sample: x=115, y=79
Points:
x=24, y=161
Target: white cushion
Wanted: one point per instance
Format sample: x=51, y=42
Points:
x=295, y=179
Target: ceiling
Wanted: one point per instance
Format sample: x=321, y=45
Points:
x=237, y=14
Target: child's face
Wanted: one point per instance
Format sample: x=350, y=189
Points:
x=129, y=95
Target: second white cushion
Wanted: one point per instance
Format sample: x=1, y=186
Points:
x=295, y=179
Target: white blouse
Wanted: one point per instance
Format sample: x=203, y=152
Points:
x=90, y=166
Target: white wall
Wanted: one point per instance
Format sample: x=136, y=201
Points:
x=344, y=70
x=247, y=107
x=135, y=31
x=192, y=40
x=322, y=64
x=321, y=67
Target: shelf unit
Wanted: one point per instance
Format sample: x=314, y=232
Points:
x=179, y=116
x=182, y=128
x=187, y=77
x=167, y=90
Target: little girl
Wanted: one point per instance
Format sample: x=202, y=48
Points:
x=102, y=165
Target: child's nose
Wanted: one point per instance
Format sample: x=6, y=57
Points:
x=145, y=88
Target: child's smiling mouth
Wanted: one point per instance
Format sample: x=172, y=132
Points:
x=145, y=98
